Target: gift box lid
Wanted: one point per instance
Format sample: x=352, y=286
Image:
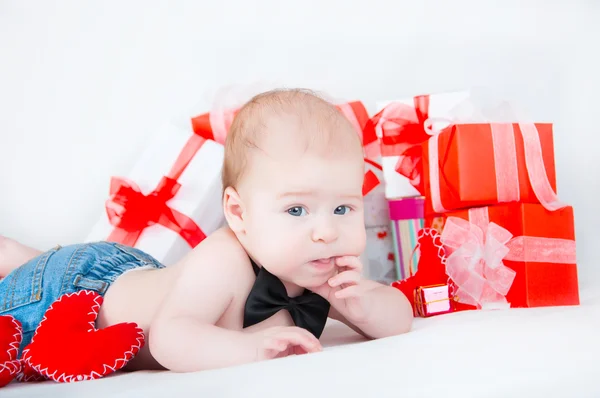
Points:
x=410, y=208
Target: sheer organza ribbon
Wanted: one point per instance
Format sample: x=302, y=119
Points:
x=130, y=211
x=367, y=133
x=226, y=103
x=216, y=125
x=402, y=133
x=477, y=249
x=405, y=128
x=371, y=147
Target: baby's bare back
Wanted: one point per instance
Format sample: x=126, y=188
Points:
x=208, y=287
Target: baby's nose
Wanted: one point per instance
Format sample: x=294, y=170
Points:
x=325, y=232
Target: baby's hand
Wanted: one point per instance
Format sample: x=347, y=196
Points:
x=347, y=291
x=281, y=341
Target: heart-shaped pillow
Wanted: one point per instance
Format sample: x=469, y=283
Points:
x=11, y=336
x=431, y=269
x=8, y=371
x=67, y=347
x=28, y=374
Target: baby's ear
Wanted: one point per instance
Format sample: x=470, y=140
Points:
x=233, y=209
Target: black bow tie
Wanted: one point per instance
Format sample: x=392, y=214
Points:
x=268, y=296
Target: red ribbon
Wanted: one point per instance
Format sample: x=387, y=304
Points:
x=130, y=211
x=402, y=133
x=371, y=180
x=214, y=126
x=370, y=140
x=356, y=113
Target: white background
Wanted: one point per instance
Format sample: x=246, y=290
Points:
x=83, y=84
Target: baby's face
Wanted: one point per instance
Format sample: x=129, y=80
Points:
x=303, y=209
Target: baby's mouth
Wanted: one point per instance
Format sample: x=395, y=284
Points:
x=323, y=263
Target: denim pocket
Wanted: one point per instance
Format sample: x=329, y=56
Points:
x=24, y=285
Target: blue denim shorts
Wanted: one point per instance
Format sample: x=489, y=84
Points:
x=28, y=291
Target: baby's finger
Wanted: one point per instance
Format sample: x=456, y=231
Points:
x=346, y=277
x=275, y=344
x=298, y=350
x=299, y=339
x=352, y=262
x=304, y=332
x=349, y=292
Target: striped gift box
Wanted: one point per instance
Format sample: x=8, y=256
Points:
x=406, y=218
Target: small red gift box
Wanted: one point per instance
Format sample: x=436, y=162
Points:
x=432, y=300
x=471, y=165
x=535, y=245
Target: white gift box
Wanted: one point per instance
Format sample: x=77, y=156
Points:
x=441, y=106
x=379, y=265
x=378, y=260
x=199, y=196
x=376, y=209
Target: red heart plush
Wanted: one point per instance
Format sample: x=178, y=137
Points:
x=11, y=336
x=431, y=269
x=8, y=371
x=67, y=347
x=28, y=374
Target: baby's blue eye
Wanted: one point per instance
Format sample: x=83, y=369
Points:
x=341, y=210
x=297, y=211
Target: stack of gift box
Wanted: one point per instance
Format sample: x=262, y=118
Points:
x=478, y=196
x=460, y=211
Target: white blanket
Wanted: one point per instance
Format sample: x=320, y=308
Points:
x=539, y=352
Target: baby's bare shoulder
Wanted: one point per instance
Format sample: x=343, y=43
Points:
x=221, y=255
x=210, y=277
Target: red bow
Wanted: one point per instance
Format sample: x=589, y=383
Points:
x=402, y=133
x=130, y=211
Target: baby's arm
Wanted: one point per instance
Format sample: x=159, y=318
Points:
x=183, y=334
x=369, y=307
x=390, y=312
x=184, y=337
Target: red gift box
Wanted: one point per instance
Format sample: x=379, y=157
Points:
x=541, y=251
x=486, y=164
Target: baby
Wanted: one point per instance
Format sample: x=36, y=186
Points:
x=259, y=288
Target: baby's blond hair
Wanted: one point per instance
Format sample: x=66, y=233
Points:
x=306, y=107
